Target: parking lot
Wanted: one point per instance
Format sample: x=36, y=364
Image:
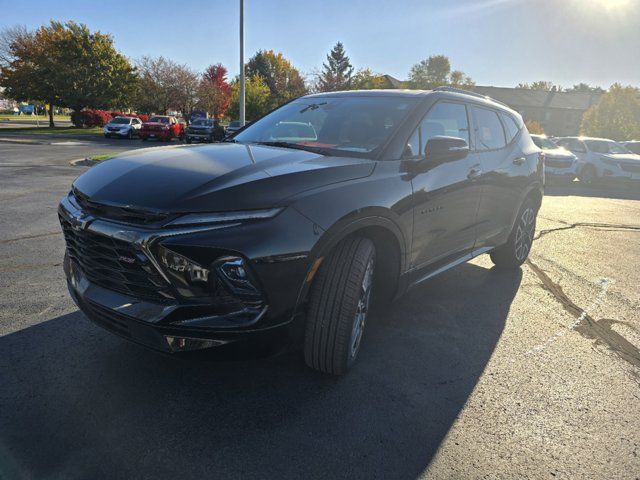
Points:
x=475, y=374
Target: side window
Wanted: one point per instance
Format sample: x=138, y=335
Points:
x=510, y=126
x=577, y=146
x=489, y=131
x=444, y=119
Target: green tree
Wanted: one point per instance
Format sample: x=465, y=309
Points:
x=69, y=66
x=615, y=116
x=539, y=85
x=365, y=79
x=256, y=98
x=337, y=72
x=585, y=87
x=435, y=71
x=278, y=74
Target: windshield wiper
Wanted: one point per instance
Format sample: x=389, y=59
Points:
x=295, y=146
x=312, y=106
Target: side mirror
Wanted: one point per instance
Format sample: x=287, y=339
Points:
x=446, y=149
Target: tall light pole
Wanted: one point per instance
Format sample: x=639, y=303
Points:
x=242, y=119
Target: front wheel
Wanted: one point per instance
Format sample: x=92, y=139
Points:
x=589, y=175
x=338, y=306
x=513, y=253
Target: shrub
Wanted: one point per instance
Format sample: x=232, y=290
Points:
x=90, y=118
x=98, y=118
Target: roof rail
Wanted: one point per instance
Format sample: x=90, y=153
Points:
x=468, y=92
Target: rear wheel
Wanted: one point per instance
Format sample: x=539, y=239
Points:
x=338, y=306
x=513, y=253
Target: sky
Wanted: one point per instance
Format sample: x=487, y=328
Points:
x=496, y=42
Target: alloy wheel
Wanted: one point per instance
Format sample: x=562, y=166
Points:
x=362, y=309
x=524, y=233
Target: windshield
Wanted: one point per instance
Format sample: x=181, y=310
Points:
x=544, y=143
x=606, y=146
x=345, y=125
x=203, y=123
x=159, y=119
x=121, y=120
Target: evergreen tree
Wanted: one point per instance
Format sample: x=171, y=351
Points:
x=337, y=73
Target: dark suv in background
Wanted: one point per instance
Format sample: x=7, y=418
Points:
x=270, y=237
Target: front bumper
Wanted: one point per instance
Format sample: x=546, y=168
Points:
x=178, y=323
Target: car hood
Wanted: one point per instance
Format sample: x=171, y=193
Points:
x=558, y=153
x=208, y=178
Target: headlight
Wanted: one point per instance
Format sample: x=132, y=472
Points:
x=224, y=217
x=190, y=278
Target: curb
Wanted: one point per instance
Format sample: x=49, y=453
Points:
x=83, y=162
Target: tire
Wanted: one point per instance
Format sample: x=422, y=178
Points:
x=144, y=139
x=106, y=135
x=130, y=135
x=513, y=253
x=188, y=140
x=589, y=175
x=338, y=306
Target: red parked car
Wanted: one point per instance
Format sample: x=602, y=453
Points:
x=162, y=127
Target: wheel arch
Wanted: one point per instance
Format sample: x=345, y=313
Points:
x=388, y=238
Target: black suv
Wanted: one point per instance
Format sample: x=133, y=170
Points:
x=288, y=229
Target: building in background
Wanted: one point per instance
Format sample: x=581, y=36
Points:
x=558, y=113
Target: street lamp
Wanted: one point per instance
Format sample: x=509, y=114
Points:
x=242, y=119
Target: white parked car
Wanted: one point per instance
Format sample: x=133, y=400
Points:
x=602, y=159
x=123, y=127
x=559, y=164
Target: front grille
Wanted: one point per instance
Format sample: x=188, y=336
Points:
x=115, y=265
x=120, y=214
x=557, y=163
x=627, y=167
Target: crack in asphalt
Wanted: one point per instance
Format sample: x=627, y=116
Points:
x=599, y=330
x=28, y=237
x=599, y=226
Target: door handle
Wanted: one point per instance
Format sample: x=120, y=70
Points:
x=519, y=160
x=475, y=172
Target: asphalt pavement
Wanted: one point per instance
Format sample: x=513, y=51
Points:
x=475, y=374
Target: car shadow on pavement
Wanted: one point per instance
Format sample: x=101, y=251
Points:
x=576, y=189
x=77, y=402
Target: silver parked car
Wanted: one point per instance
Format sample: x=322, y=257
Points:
x=602, y=159
x=559, y=164
x=123, y=127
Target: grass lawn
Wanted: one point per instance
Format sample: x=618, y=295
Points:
x=52, y=131
x=103, y=156
x=27, y=118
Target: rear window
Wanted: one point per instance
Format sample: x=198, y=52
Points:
x=510, y=126
x=489, y=131
x=159, y=119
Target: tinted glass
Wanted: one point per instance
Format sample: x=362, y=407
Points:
x=121, y=121
x=544, y=143
x=633, y=147
x=444, y=119
x=345, y=125
x=489, y=131
x=604, y=146
x=159, y=120
x=511, y=127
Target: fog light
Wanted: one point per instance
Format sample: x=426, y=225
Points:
x=235, y=275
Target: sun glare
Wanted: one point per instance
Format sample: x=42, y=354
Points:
x=610, y=4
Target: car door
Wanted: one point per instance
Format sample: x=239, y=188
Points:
x=445, y=198
x=504, y=174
